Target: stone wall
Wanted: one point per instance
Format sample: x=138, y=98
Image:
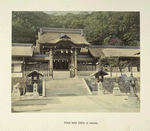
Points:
x=108, y=84
x=85, y=73
x=83, y=67
x=39, y=67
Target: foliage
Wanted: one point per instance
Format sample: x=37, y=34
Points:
x=107, y=28
x=115, y=42
x=112, y=62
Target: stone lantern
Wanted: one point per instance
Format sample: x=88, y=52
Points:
x=35, y=76
x=97, y=73
x=35, y=81
x=132, y=80
x=133, y=99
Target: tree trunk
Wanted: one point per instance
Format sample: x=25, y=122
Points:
x=110, y=71
x=121, y=69
x=116, y=75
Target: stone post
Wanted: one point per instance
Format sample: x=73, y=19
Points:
x=43, y=91
x=100, y=91
x=35, y=91
x=51, y=64
x=75, y=55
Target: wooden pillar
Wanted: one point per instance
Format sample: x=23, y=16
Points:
x=138, y=68
x=75, y=63
x=72, y=66
x=102, y=78
x=72, y=59
x=43, y=88
x=51, y=63
x=47, y=72
x=131, y=66
x=24, y=76
x=85, y=66
x=116, y=74
x=121, y=69
x=23, y=69
x=41, y=49
x=68, y=64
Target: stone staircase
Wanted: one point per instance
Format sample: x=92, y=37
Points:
x=61, y=74
x=66, y=87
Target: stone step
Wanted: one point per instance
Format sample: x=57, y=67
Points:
x=69, y=87
x=61, y=74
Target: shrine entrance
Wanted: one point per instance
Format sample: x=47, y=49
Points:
x=62, y=56
x=61, y=65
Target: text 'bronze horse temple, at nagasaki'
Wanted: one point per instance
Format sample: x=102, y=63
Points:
x=66, y=50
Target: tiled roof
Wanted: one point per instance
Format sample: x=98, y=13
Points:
x=53, y=38
x=113, y=52
x=22, y=49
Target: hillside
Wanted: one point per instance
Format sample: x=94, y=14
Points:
x=101, y=28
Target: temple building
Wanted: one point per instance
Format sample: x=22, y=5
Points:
x=59, y=49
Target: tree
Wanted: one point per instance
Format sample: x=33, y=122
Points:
x=115, y=42
x=113, y=62
x=25, y=23
x=115, y=28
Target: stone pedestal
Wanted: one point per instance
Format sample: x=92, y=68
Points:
x=35, y=91
x=133, y=99
x=72, y=73
x=132, y=94
x=116, y=90
x=100, y=91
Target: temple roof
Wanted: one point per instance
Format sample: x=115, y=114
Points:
x=53, y=38
x=55, y=35
x=22, y=49
x=114, y=52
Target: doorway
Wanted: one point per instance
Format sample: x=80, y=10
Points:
x=60, y=65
